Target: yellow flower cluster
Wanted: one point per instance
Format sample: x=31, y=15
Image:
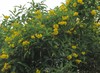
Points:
x=68, y=2
x=75, y=14
x=55, y=30
x=38, y=71
x=16, y=33
x=4, y=56
x=83, y=52
x=74, y=46
x=80, y=1
x=65, y=17
x=97, y=24
x=38, y=14
x=74, y=4
x=63, y=8
x=38, y=35
x=6, y=17
x=93, y=12
x=6, y=67
x=52, y=12
x=78, y=61
x=62, y=23
x=98, y=7
x=32, y=37
x=12, y=45
x=69, y=57
x=75, y=55
x=8, y=39
x=25, y=43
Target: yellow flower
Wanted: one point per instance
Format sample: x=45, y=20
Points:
x=69, y=57
x=74, y=47
x=25, y=43
x=63, y=8
x=98, y=7
x=93, y=12
x=8, y=39
x=83, y=53
x=12, y=45
x=32, y=37
x=65, y=17
x=80, y=1
x=68, y=2
x=55, y=32
x=6, y=67
x=78, y=61
x=75, y=55
x=97, y=24
x=75, y=14
x=16, y=33
x=38, y=71
x=52, y=12
x=4, y=56
x=74, y=4
x=56, y=26
x=39, y=16
x=38, y=35
x=38, y=12
x=62, y=23
x=69, y=32
x=6, y=17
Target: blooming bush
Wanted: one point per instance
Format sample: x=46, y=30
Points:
x=65, y=39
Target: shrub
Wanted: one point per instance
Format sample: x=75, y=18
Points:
x=65, y=39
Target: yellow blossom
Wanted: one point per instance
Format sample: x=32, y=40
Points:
x=63, y=8
x=12, y=45
x=74, y=4
x=74, y=47
x=16, y=33
x=62, y=23
x=78, y=61
x=97, y=24
x=83, y=52
x=75, y=55
x=38, y=71
x=32, y=37
x=8, y=39
x=38, y=35
x=93, y=12
x=69, y=57
x=80, y=1
x=65, y=17
x=6, y=67
x=52, y=12
x=98, y=7
x=25, y=43
x=75, y=14
x=68, y=2
x=55, y=32
x=56, y=26
x=6, y=17
x=4, y=56
x=38, y=12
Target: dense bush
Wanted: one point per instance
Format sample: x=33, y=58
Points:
x=65, y=39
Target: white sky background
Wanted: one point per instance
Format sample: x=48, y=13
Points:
x=6, y=5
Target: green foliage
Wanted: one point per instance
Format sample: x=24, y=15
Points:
x=65, y=39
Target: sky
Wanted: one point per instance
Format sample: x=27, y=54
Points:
x=6, y=5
